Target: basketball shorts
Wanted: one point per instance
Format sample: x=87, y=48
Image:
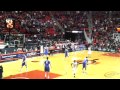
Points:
x=47, y=69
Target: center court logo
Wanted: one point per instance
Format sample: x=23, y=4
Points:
x=112, y=74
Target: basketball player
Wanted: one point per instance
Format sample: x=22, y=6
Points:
x=46, y=51
x=89, y=51
x=47, y=68
x=74, y=67
x=24, y=62
x=75, y=48
x=41, y=50
x=85, y=63
x=66, y=52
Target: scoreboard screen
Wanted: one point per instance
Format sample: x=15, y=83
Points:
x=118, y=30
x=9, y=23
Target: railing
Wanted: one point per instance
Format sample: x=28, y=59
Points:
x=2, y=44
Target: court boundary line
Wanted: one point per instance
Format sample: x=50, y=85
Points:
x=20, y=78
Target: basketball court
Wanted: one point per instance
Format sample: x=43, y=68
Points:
x=106, y=67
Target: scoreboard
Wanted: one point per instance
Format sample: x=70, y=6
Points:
x=9, y=23
x=118, y=30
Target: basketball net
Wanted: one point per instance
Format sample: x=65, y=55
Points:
x=116, y=37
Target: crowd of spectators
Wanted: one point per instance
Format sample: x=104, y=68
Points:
x=104, y=24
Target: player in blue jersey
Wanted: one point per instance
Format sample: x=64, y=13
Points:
x=85, y=63
x=46, y=51
x=23, y=56
x=47, y=66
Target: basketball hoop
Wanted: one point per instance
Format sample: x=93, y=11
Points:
x=116, y=37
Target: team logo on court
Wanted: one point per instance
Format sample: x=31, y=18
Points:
x=112, y=74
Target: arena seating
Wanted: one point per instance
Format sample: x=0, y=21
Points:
x=104, y=24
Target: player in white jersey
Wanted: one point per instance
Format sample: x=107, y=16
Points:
x=75, y=49
x=89, y=51
x=41, y=50
x=74, y=67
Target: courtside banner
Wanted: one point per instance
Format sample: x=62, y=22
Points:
x=9, y=56
x=19, y=55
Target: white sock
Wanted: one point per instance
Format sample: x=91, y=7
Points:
x=48, y=77
x=45, y=75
